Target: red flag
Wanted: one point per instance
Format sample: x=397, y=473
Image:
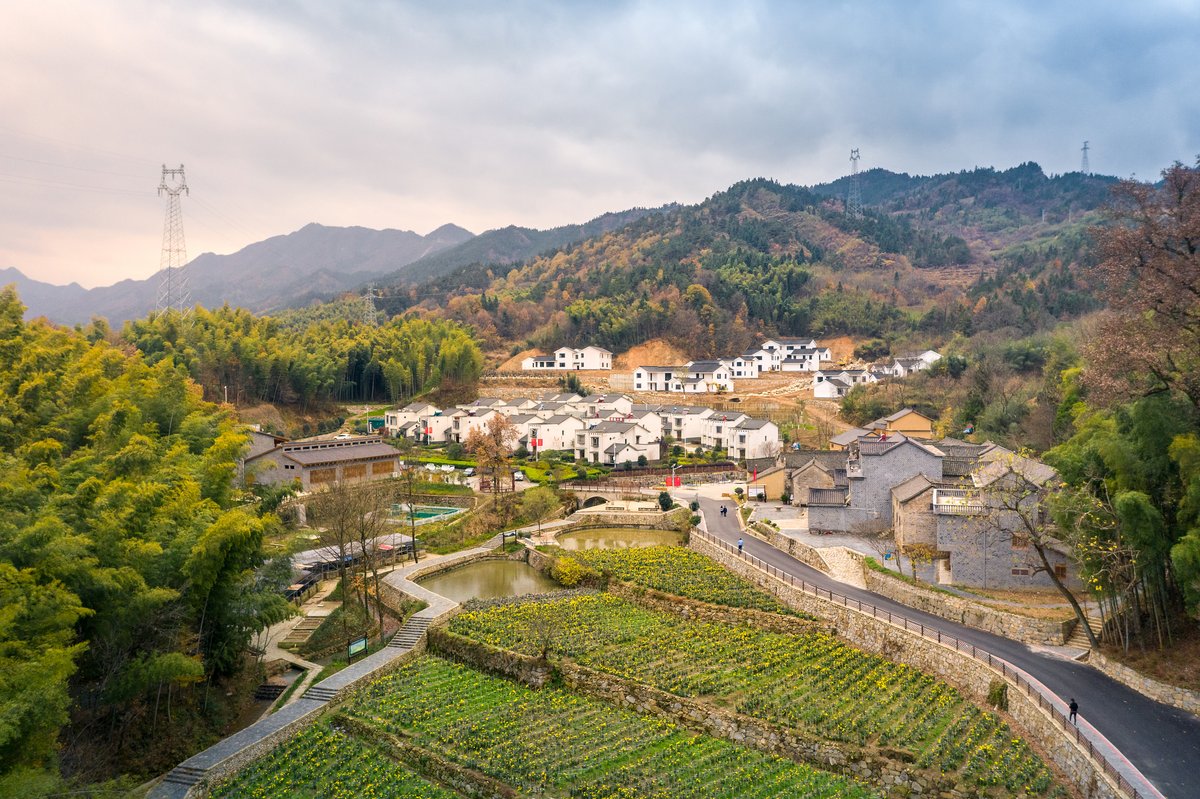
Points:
x=678, y=482
x=755, y=476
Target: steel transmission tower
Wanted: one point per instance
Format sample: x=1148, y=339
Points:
x=173, y=290
x=1083, y=164
x=854, y=195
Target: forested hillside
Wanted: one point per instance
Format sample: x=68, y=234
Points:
x=318, y=355
x=126, y=562
x=767, y=258
x=1112, y=402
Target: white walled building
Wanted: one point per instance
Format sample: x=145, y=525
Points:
x=571, y=359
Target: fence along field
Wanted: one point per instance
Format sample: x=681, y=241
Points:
x=812, y=683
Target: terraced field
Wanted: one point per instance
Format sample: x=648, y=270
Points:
x=323, y=762
x=554, y=741
x=680, y=571
x=813, y=682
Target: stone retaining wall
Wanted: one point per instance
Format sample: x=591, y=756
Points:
x=969, y=675
x=943, y=605
x=890, y=770
x=294, y=717
x=695, y=610
x=651, y=520
x=430, y=764
x=1172, y=695
x=972, y=614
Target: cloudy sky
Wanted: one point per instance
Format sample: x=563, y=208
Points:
x=403, y=115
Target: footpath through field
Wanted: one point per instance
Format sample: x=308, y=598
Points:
x=1160, y=741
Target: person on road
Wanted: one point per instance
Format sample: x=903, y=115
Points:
x=1074, y=711
x=740, y=551
x=724, y=511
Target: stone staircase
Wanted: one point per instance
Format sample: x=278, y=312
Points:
x=410, y=634
x=1079, y=639
x=185, y=776
x=319, y=693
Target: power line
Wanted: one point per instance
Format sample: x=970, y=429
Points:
x=26, y=180
x=83, y=147
x=68, y=166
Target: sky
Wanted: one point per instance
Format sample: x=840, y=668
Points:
x=411, y=115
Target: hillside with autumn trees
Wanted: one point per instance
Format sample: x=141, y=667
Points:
x=952, y=254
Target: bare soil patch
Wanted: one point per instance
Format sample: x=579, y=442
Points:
x=513, y=364
x=656, y=352
x=1179, y=664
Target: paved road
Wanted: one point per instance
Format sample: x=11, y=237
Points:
x=1161, y=741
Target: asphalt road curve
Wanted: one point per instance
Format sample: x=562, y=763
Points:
x=1160, y=741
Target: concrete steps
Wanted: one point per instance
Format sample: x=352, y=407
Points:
x=319, y=693
x=410, y=634
x=185, y=775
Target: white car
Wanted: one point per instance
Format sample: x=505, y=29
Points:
x=342, y=436
x=519, y=476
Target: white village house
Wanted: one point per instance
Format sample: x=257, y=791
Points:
x=570, y=358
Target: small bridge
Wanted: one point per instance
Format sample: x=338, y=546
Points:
x=591, y=494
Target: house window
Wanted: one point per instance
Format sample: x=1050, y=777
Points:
x=1020, y=572
x=1060, y=571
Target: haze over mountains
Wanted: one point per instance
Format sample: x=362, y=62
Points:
x=984, y=206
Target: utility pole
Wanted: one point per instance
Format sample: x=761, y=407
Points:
x=1084, y=167
x=173, y=290
x=854, y=195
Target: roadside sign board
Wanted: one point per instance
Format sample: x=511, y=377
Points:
x=356, y=647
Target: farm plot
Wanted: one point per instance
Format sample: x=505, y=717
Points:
x=813, y=683
x=680, y=571
x=324, y=762
x=552, y=740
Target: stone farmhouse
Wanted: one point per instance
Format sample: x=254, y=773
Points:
x=569, y=358
x=964, y=504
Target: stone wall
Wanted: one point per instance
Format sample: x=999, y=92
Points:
x=890, y=770
x=972, y=614
x=694, y=610
x=293, y=718
x=652, y=520
x=1172, y=695
x=429, y=764
x=943, y=605
x=969, y=675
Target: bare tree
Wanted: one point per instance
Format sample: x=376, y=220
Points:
x=350, y=518
x=877, y=533
x=370, y=526
x=493, y=448
x=408, y=480
x=1013, y=491
x=1150, y=341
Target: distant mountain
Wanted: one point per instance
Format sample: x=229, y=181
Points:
x=261, y=277
x=511, y=245
x=929, y=258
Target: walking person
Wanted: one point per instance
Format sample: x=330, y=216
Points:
x=724, y=511
x=1074, y=711
x=739, y=546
